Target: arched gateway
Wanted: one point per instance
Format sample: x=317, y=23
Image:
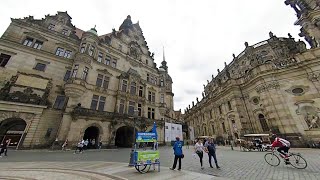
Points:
x=124, y=136
x=12, y=128
x=92, y=135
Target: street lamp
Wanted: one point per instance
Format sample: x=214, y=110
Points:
x=135, y=116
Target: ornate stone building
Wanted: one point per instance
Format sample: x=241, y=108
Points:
x=59, y=82
x=271, y=85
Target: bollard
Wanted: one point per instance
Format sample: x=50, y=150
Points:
x=131, y=161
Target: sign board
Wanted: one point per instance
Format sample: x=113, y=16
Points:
x=172, y=131
x=30, y=81
x=146, y=157
x=146, y=137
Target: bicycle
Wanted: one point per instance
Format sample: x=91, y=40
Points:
x=295, y=159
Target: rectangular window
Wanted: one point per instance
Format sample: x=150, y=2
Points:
x=133, y=88
x=91, y=50
x=124, y=86
x=148, y=77
x=139, y=109
x=229, y=106
x=162, y=98
x=114, y=63
x=28, y=42
x=60, y=51
x=131, y=108
x=153, y=98
x=100, y=57
x=155, y=81
x=65, y=32
x=83, y=47
x=107, y=60
x=75, y=70
x=40, y=67
x=121, y=106
x=51, y=26
x=149, y=95
x=67, y=75
x=37, y=44
x=140, y=91
x=67, y=54
x=60, y=102
x=161, y=83
x=220, y=109
x=149, y=113
x=85, y=73
x=94, y=102
x=99, y=80
x=151, y=80
x=106, y=82
x=4, y=59
x=102, y=102
x=224, y=127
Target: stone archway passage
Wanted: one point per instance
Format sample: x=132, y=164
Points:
x=12, y=128
x=92, y=135
x=124, y=137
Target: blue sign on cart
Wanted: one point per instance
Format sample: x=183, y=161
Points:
x=146, y=137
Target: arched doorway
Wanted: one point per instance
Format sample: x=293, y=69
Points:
x=13, y=128
x=263, y=122
x=92, y=135
x=124, y=137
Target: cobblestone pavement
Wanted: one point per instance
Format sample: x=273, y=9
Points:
x=90, y=170
x=234, y=164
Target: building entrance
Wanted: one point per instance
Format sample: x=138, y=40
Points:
x=13, y=128
x=124, y=137
x=92, y=135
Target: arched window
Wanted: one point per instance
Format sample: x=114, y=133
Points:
x=263, y=122
x=133, y=88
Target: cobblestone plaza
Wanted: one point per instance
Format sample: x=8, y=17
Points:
x=234, y=165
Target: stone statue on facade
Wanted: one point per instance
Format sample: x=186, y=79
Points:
x=192, y=103
x=197, y=100
x=271, y=35
x=202, y=94
x=311, y=41
x=246, y=44
x=234, y=56
x=314, y=123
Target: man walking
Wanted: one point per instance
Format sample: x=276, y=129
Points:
x=211, y=148
x=177, y=148
x=4, y=147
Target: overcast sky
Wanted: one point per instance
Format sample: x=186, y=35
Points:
x=198, y=36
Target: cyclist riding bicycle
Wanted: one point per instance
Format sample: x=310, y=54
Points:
x=283, y=145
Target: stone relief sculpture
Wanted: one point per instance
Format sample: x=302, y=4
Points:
x=312, y=121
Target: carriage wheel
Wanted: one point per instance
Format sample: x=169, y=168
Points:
x=143, y=168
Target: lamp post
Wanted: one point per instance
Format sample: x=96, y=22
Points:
x=135, y=115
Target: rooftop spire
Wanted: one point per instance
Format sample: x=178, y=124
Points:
x=164, y=62
x=164, y=58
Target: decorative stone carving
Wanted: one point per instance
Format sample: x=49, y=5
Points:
x=268, y=86
x=298, y=90
x=314, y=77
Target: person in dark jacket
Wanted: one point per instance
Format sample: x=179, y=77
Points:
x=4, y=147
x=211, y=149
x=177, y=148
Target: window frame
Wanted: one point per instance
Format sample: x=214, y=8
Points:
x=60, y=103
x=75, y=71
x=42, y=66
x=37, y=44
x=85, y=73
x=124, y=86
x=28, y=41
x=4, y=59
x=60, y=52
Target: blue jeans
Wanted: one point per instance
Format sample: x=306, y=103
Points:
x=213, y=154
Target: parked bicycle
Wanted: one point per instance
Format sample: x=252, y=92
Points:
x=295, y=159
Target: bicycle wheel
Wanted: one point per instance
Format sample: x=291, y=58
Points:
x=297, y=161
x=272, y=159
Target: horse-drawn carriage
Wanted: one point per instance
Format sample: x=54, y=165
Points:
x=260, y=142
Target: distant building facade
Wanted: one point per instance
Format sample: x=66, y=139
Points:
x=271, y=87
x=58, y=82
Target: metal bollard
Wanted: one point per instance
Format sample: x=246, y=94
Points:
x=131, y=162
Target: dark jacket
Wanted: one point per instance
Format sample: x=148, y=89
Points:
x=177, y=147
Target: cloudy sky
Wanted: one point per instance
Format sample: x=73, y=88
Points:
x=198, y=36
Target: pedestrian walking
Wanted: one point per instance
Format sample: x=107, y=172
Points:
x=187, y=143
x=79, y=148
x=178, y=155
x=64, y=145
x=4, y=147
x=100, y=144
x=211, y=149
x=198, y=149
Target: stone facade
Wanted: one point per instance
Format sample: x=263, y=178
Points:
x=272, y=86
x=59, y=82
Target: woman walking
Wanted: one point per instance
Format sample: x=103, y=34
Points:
x=198, y=149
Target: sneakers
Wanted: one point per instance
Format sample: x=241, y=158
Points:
x=171, y=168
x=218, y=167
x=202, y=167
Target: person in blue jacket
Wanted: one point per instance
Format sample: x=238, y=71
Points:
x=177, y=148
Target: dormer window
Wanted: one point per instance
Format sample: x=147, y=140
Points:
x=51, y=26
x=65, y=32
x=59, y=51
x=91, y=50
x=83, y=47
